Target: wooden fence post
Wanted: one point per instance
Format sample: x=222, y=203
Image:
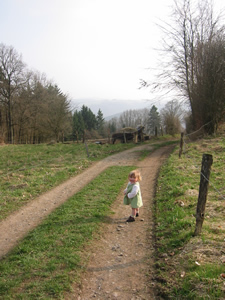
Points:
x=207, y=161
x=156, y=131
x=86, y=148
x=108, y=135
x=181, y=144
x=136, y=137
x=124, y=136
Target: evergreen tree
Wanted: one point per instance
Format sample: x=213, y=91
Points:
x=99, y=122
x=89, y=118
x=154, y=120
x=78, y=125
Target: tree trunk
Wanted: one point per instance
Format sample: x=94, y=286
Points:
x=124, y=136
x=156, y=131
x=181, y=144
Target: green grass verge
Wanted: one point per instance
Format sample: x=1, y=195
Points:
x=49, y=260
x=144, y=153
x=189, y=267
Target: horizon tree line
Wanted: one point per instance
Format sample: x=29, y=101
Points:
x=34, y=110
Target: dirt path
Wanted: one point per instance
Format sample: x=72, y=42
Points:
x=120, y=263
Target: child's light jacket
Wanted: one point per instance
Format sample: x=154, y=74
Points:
x=136, y=201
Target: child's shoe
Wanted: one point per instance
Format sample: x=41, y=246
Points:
x=137, y=214
x=130, y=219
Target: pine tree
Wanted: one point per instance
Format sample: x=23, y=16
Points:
x=99, y=122
x=78, y=125
x=154, y=120
x=89, y=118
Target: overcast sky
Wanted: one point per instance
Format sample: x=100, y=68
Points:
x=96, y=51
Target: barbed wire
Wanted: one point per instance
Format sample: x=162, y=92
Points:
x=198, y=129
x=213, y=186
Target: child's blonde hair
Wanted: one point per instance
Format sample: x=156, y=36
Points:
x=135, y=174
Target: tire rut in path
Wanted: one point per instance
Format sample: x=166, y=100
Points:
x=120, y=263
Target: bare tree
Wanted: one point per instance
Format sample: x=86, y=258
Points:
x=208, y=91
x=11, y=81
x=32, y=110
x=194, y=49
x=172, y=115
x=133, y=118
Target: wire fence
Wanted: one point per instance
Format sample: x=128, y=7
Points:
x=185, y=146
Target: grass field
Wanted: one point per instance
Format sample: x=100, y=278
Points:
x=49, y=259
x=188, y=266
x=29, y=170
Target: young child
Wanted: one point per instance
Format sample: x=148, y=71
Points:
x=133, y=194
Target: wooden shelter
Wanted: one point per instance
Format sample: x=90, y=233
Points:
x=129, y=134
